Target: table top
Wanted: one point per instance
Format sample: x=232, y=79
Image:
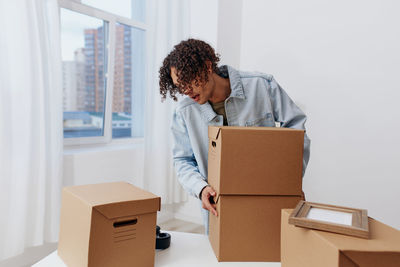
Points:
x=186, y=249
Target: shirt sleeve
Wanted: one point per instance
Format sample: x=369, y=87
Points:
x=289, y=115
x=184, y=161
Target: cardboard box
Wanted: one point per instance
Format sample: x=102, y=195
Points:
x=256, y=171
x=248, y=227
x=303, y=247
x=255, y=160
x=111, y=224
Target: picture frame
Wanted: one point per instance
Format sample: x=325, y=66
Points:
x=330, y=218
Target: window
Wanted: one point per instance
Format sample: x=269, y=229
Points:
x=133, y=9
x=103, y=71
x=83, y=87
x=128, y=82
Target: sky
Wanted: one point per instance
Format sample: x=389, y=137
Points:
x=73, y=23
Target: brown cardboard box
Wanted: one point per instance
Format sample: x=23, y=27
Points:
x=111, y=224
x=248, y=227
x=303, y=247
x=256, y=172
x=255, y=160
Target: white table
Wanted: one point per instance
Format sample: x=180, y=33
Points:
x=186, y=250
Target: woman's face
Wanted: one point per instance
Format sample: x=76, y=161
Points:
x=200, y=93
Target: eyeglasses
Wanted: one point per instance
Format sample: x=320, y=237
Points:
x=182, y=90
x=187, y=91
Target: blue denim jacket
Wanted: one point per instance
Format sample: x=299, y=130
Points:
x=256, y=99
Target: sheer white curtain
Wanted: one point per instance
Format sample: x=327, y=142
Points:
x=169, y=23
x=30, y=124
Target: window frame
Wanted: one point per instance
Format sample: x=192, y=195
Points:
x=112, y=20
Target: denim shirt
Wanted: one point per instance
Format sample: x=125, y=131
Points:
x=256, y=99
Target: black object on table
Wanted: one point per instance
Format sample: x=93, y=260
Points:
x=163, y=240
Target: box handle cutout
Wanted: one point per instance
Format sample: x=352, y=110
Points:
x=213, y=143
x=125, y=223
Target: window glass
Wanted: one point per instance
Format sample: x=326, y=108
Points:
x=133, y=9
x=128, y=90
x=84, y=65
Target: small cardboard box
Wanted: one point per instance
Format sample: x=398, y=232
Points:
x=255, y=160
x=110, y=224
x=303, y=247
x=256, y=171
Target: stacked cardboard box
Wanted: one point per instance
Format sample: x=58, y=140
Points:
x=256, y=171
x=302, y=247
x=111, y=224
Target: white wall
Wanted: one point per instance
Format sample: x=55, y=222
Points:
x=340, y=61
x=88, y=165
x=203, y=20
x=229, y=31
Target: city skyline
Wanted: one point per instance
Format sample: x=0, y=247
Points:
x=84, y=83
x=84, y=77
x=84, y=69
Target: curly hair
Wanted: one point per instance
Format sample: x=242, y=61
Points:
x=189, y=58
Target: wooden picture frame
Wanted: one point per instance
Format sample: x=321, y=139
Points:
x=336, y=219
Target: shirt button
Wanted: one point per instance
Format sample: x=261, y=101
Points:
x=217, y=120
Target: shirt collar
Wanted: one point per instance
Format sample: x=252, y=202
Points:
x=237, y=91
x=207, y=112
x=234, y=79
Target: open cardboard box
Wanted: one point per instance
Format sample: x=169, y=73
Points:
x=256, y=171
x=302, y=247
x=110, y=224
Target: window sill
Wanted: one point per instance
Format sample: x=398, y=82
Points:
x=117, y=144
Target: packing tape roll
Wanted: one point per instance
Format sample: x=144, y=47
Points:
x=163, y=240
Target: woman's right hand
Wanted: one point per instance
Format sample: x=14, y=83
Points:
x=206, y=194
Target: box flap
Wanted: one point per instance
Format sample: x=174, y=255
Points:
x=345, y=261
x=302, y=247
x=129, y=208
x=117, y=199
x=371, y=259
x=383, y=239
x=213, y=132
x=214, y=157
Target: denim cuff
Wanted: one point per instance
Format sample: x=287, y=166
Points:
x=198, y=187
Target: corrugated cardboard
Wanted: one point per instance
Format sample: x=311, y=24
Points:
x=303, y=247
x=269, y=159
x=256, y=172
x=248, y=227
x=111, y=224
